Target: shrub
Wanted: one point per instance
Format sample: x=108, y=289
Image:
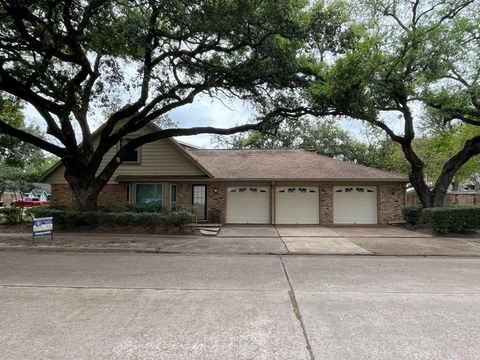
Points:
x=177, y=219
x=452, y=219
x=412, y=214
x=144, y=208
x=113, y=208
x=69, y=220
x=12, y=215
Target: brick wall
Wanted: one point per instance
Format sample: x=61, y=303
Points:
x=326, y=204
x=216, y=197
x=111, y=193
x=391, y=200
x=217, y=201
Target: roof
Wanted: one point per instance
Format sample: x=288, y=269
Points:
x=267, y=164
x=284, y=164
x=38, y=188
x=42, y=187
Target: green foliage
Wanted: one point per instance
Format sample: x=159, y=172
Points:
x=452, y=219
x=412, y=214
x=134, y=61
x=414, y=59
x=441, y=143
x=11, y=216
x=71, y=220
x=327, y=137
x=145, y=208
x=17, y=156
x=115, y=208
x=15, y=181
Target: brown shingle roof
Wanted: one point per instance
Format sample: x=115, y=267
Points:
x=284, y=164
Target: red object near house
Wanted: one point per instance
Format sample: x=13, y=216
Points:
x=28, y=202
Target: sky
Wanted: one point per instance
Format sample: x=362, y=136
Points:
x=204, y=111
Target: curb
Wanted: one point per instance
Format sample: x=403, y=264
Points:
x=160, y=251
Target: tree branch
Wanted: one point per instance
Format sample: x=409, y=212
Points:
x=113, y=164
x=31, y=139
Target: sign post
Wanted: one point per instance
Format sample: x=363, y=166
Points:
x=42, y=227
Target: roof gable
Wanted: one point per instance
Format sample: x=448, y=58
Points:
x=163, y=157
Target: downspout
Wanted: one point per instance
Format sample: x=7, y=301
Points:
x=272, y=202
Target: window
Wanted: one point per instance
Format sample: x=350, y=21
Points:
x=150, y=194
x=173, y=193
x=131, y=156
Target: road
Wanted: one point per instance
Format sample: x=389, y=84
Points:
x=150, y=306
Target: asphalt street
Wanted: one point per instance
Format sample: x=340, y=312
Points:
x=170, y=306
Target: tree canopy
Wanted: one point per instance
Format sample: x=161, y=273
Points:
x=137, y=60
x=324, y=136
x=408, y=62
x=19, y=159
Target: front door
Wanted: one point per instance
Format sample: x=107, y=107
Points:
x=199, y=198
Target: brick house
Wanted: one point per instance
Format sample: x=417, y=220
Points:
x=249, y=186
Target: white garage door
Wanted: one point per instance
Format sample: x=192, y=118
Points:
x=354, y=205
x=297, y=205
x=248, y=205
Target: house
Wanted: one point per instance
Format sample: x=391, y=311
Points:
x=249, y=186
x=40, y=190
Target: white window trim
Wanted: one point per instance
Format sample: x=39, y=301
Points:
x=138, y=150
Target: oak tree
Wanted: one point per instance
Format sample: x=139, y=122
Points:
x=413, y=57
x=137, y=60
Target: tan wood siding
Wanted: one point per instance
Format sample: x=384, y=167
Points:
x=157, y=158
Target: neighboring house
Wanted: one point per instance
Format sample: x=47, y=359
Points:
x=249, y=186
x=41, y=191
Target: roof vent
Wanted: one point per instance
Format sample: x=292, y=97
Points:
x=311, y=149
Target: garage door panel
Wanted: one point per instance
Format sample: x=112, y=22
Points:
x=297, y=205
x=354, y=205
x=248, y=205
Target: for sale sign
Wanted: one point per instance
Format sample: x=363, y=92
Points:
x=43, y=226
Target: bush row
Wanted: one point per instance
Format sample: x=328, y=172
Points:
x=68, y=220
x=445, y=219
x=146, y=208
x=11, y=215
x=412, y=214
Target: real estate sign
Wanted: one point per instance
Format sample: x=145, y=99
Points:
x=43, y=226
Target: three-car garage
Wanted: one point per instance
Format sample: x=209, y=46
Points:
x=352, y=204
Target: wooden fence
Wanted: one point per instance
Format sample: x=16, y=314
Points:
x=452, y=198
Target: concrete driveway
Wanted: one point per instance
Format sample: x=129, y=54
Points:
x=347, y=240
x=105, y=306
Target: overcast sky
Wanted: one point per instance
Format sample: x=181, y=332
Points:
x=205, y=111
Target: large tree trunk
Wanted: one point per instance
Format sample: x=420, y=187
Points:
x=416, y=175
x=85, y=194
x=439, y=191
x=84, y=184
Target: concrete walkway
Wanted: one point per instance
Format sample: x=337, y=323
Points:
x=280, y=240
x=148, y=306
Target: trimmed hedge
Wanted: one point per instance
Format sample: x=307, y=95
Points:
x=145, y=208
x=452, y=219
x=68, y=220
x=12, y=215
x=412, y=214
